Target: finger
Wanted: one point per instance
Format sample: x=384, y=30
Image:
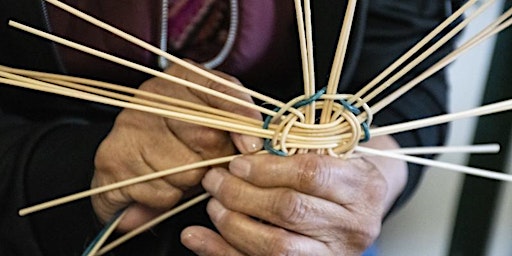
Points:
x=283, y=207
x=206, y=142
x=205, y=242
x=245, y=144
x=146, y=145
x=142, y=201
x=256, y=238
x=333, y=179
x=135, y=216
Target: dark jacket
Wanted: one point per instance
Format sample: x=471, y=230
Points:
x=47, y=142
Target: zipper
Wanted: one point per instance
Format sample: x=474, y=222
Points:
x=48, y=27
x=230, y=40
x=163, y=63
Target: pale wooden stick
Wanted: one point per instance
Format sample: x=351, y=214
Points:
x=422, y=43
x=162, y=53
x=310, y=108
x=56, y=78
x=153, y=223
x=190, y=118
x=208, y=120
x=341, y=48
x=302, y=42
x=309, y=139
x=411, y=125
x=447, y=166
x=488, y=32
x=211, y=113
x=473, y=149
x=427, y=53
x=117, y=185
x=306, y=50
x=339, y=59
x=138, y=67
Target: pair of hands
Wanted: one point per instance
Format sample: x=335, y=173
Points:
x=308, y=204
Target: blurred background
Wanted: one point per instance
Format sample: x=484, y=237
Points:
x=452, y=214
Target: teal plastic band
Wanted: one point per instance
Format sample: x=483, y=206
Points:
x=101, y=233
x=356, y=111
x=267, y=145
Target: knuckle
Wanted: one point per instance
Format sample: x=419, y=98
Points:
x=109, y=159
x=149, y=86
x=312, y=172
x=104, y=160
x=187, y=179
x=224, y=104
x=154, y=198
x=291, y=209
x=376, y=186
x=281, y=246
x=367, y=235
x=360, y=234
x=164, y=198
x=208, y=140
x=379, y=187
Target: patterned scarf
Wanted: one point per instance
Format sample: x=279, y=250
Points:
x=198, y=28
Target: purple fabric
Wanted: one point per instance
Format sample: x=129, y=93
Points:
x=183, y=18
x=265, y=29
x=265, y=38
x=264, y=25
x=139, y=18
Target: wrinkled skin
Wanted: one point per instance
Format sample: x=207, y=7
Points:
x=141, y=143
x=300, y=205
x=262, y=204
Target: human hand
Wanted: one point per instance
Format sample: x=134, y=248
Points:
x=141, y=143
x=308, y=205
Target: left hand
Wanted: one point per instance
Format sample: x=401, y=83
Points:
x=308, y=205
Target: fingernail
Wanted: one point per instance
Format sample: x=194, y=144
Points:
x=240, y=167
x=251, y=144
x=212, y=181
x=215, y=210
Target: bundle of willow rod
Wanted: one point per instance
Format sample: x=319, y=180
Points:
x=291, y=127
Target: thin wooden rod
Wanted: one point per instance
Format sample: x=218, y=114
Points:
x=190, y=118
x=411, y=52
x=162, y=53
x=339, y=58
x=438, y=164
x=191, y=109
x=473, y=149
x=411, y=125
x=152, y=223
x=306, y=50
x=427, y=53
x=502, y=23
x=138, y=67
x=310, y=108
x=212, y=113
x=124, y=183
x=309, y=140
x=146, y=94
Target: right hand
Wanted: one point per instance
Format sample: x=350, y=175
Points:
x=141, y=143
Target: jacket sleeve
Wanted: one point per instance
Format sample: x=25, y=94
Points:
x=44, y=153
x=42, y=161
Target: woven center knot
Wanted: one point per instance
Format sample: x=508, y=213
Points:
x=337, y=134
